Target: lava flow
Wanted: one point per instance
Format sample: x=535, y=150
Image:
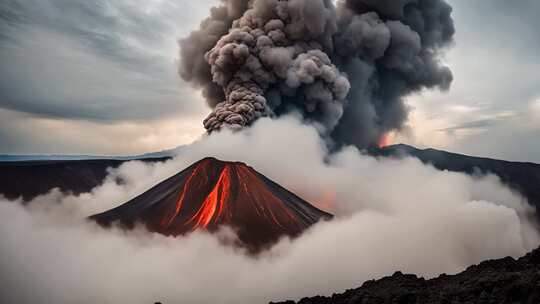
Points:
x=215, y=200
x=213, y=193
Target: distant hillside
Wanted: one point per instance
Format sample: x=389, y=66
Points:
x=45, y=157
x=28, y=179
x=28, y=176
x=31, y=178
x=523, y=177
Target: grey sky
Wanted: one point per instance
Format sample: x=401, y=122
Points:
x=100, y=77
x=99, y=60
x=491, y=108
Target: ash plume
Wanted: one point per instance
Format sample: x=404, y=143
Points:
x=345, y=67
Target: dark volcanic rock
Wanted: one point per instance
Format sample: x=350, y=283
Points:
x=498, y=281
x=212, y=193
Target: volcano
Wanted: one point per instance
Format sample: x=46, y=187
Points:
x=213, y=193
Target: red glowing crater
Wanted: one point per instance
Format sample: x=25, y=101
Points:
x=213, y=193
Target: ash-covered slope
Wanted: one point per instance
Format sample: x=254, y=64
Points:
x=213, y=193
x=498, y=281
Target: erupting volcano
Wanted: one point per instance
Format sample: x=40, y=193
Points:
x=212, y=193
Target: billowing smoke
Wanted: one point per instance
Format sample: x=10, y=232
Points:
x=346, y=68
x=438, y=222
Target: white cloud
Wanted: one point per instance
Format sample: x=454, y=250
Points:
x=535, y=112
x=109, y=66
x=21, y=133
x=437, y=222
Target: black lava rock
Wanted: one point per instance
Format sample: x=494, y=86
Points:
x=492, y=282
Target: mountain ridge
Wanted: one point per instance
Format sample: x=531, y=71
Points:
x=28, y=179
x=414, y=150
x=78, y=157
x=519, y=176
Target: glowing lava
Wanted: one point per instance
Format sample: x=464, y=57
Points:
x=385, y=140
x=180, y=202
x=216, y=200
x=213, y=193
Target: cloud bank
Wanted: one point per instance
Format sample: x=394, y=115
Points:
x=391, y=215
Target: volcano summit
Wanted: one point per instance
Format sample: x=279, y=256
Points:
x=213, y=193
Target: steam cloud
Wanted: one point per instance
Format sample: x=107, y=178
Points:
x=438, y=222
x=346, y=68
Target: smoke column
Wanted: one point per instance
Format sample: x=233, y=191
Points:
x=345, y=67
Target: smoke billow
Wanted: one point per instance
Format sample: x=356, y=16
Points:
x=346, y=68
x=438, y=222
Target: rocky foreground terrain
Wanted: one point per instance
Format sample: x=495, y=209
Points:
x=498, y=281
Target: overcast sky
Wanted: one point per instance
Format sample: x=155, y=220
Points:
x=99, y=77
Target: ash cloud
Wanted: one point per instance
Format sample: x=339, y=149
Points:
x=346, y=68
x=439, y=222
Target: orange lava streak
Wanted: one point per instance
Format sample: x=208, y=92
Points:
x=214, y=201
x=180, y=201
x=265, y=200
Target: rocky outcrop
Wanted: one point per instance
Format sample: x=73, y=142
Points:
x=498, y=281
